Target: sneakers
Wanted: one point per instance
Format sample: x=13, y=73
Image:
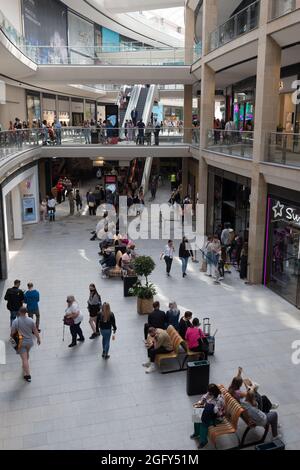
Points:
x=94, y=335
x=27, y=378
x=81, y=339
x=72, y=345
x=221, y=278
x=147, y=364
x=275, y=406
x=150, y=369
x=194, y=436
x=279, y=436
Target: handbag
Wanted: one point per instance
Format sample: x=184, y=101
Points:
x=16, y=340
x=203, y=345
x=68, y=321
x=91, y=204
x=197, y=415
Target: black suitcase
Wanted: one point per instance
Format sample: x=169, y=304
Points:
x=197, y=377
x=128, y=282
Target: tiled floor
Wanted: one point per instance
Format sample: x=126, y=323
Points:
x=79, y=401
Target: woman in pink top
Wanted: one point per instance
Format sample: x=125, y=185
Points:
x=193, y=335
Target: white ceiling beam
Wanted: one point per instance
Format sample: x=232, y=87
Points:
x=126, y=6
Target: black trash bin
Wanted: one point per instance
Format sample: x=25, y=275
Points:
x=128, y=282
x=94, y=137
x=197, y=378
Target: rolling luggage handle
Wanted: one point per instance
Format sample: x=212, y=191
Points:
x=206, y=326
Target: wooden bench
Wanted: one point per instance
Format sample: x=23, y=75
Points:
x=229, y=425
x=176, y=342
x=188, y=353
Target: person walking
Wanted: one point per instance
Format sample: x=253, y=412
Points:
x=107, y=325
x=184, y=254
x=14, y=297
x=94, y=308
x=31, y=299
x=78, y=200
x=74, y=318
x=91, y=201
x=26, y=329
x=168, y=256
x=71, y=202
x=51, y=208
x=153, y=187
x=43, y=210
x=141, y=132
x=157, y=130
x=57, y=127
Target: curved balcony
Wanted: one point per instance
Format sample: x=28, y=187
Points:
x=131, y=53
x=14, y=142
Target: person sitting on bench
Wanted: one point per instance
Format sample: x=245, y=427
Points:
x=193, y=337
x=259, y=417
x=264, y=404
x=108, y=262
x=158, y=342
x=157, y=319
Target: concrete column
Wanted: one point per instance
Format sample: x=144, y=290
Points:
x=189, y=36
x=17, y=213
x=266, y=120
x=207, y=111
x=188, y=112
x=210, y=22
x=42, y=180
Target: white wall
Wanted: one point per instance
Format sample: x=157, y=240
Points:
x=15, y=106
x=12, y=11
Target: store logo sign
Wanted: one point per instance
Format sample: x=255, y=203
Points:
x=296, y=94
x=288, y=213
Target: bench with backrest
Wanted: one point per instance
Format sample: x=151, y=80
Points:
x=176, y=342
x=116, y=271
x=229, y=425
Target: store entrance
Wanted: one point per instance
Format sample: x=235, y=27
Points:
x=285, y=266
x=77, y=119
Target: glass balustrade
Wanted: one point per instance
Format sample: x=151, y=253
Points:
x=129, y=53
x=244, y=21
x=282, y=7
x=283, y=148
x=13, y=142
x=231, y=143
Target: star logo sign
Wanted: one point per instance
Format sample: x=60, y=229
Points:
x=278, y=210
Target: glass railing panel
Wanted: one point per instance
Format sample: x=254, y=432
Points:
x=239, y=24
x=282, y=7
x=13, y=142
x=231, y=143
x=283, y=149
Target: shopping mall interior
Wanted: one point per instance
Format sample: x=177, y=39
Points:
x=151, y=150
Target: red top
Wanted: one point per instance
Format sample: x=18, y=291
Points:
x=192, y=337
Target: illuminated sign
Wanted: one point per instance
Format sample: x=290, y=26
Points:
x=286, y=213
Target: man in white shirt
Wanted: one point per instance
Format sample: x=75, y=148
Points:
x=168, y=255
x=72, y=312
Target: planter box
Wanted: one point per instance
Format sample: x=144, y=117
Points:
x=144, y=306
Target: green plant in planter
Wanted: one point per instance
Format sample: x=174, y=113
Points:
x=143, y=266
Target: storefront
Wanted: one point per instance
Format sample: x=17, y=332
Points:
x=287, y=107
x=228, y=201
x=33, y=104
x=49, y=108
x=282, y=244
x=243, y=110
x=64, y=110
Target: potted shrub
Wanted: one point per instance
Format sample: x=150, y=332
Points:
x=143, y=267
